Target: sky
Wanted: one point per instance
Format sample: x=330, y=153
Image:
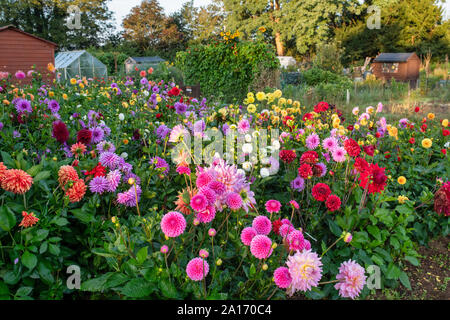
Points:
x=122, y=7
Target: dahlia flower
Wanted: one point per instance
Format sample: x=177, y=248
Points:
x=173, y=224
x=282, y=277
x=247, y=235
x=261, y=246
x=273, y=206
x=16, y=181
x=28, y=220
x=262, y=225
x=351, y=279
x=305, y=269
x=197, y=269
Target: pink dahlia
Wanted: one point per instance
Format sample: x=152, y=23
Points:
x=305, y=269
x=203, y=253
x=296, y=241
x=262, y=225
x=199, y=202
x=207, y=215
x=261, y=246
x=351, y=279
x=173, y=224
x=273, y=206
x=209, y=194
x=203, y=179
x=197, y=269
x=282, y=277
x=234, y=201
x=217, y=186
x=164, y=249
x=285, y=229
x=247, y=235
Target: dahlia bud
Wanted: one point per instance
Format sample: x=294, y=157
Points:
x=348, y=237
x=219, y=262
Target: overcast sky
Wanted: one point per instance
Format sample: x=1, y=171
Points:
x=122, y=7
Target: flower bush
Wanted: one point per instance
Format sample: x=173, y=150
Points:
x=104, y=175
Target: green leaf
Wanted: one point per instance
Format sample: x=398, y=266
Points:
x=335, y=228
x=393, y=272
x=23, y=291
x=138, y=288
x=7, y=160
x=85, y=217
x=142, y=255
x=252, y=270
x=29, y=260
x=168, y=289
x=60, y=221
x=4, y=291
x=116, y=280
x=413, y=260
x=45, y=273
x=54, y=249
x=374, y=231
x=33, y=171
x=7, y=218
x=41, y=234
x=96, y=284
x=405, y=280
x=41, y=176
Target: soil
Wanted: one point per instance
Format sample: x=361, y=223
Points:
x=429, y=280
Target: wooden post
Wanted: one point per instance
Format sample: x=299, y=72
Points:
x=348, y=96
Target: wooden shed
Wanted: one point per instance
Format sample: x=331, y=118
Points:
x=20, y=50
x=400, y=66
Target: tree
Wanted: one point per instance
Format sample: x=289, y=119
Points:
x=47, y=19
x=304, y=23
x=150, y=28
x=406, y=26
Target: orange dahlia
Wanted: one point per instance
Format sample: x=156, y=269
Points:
x=28, y=220
x=77, y=191
x=67, y=174
x=2, y=171
x=78, y=149
x=16, y=181
x=182, y=205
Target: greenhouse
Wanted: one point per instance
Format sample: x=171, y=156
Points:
x=70, y=64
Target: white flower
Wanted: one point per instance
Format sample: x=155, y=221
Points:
x=247, y=166
x=255, y=134
x=121, y=117
x=71, y=118
x=240, y=172
x=447, y=145
x=264, y=172
x=146, y=93
x=247, y=148
x=78, y=106
x=102, y=123
x=84, y=117
x=248, y=138
x=124, y=155
x=276, y=145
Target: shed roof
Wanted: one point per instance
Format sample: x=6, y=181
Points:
x=153, y=59
x=393, y=57
x=11, y=27
x=65, y=58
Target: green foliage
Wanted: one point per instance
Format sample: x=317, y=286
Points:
x=226, y=70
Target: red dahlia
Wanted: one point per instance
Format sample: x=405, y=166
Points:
x=374, y=178
x=309, y=157
x=276, y=226
x=333, y=203
x=352, y=147
x=369, y=150
x=84, y=136
x=321, y=191
x=305, y=171
x=321, y=107
x=287, y=156
x=361, y=165
x=60, y=132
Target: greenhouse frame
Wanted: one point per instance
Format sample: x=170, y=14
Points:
x=70, y=64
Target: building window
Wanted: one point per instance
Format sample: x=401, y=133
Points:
x=390, y=67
